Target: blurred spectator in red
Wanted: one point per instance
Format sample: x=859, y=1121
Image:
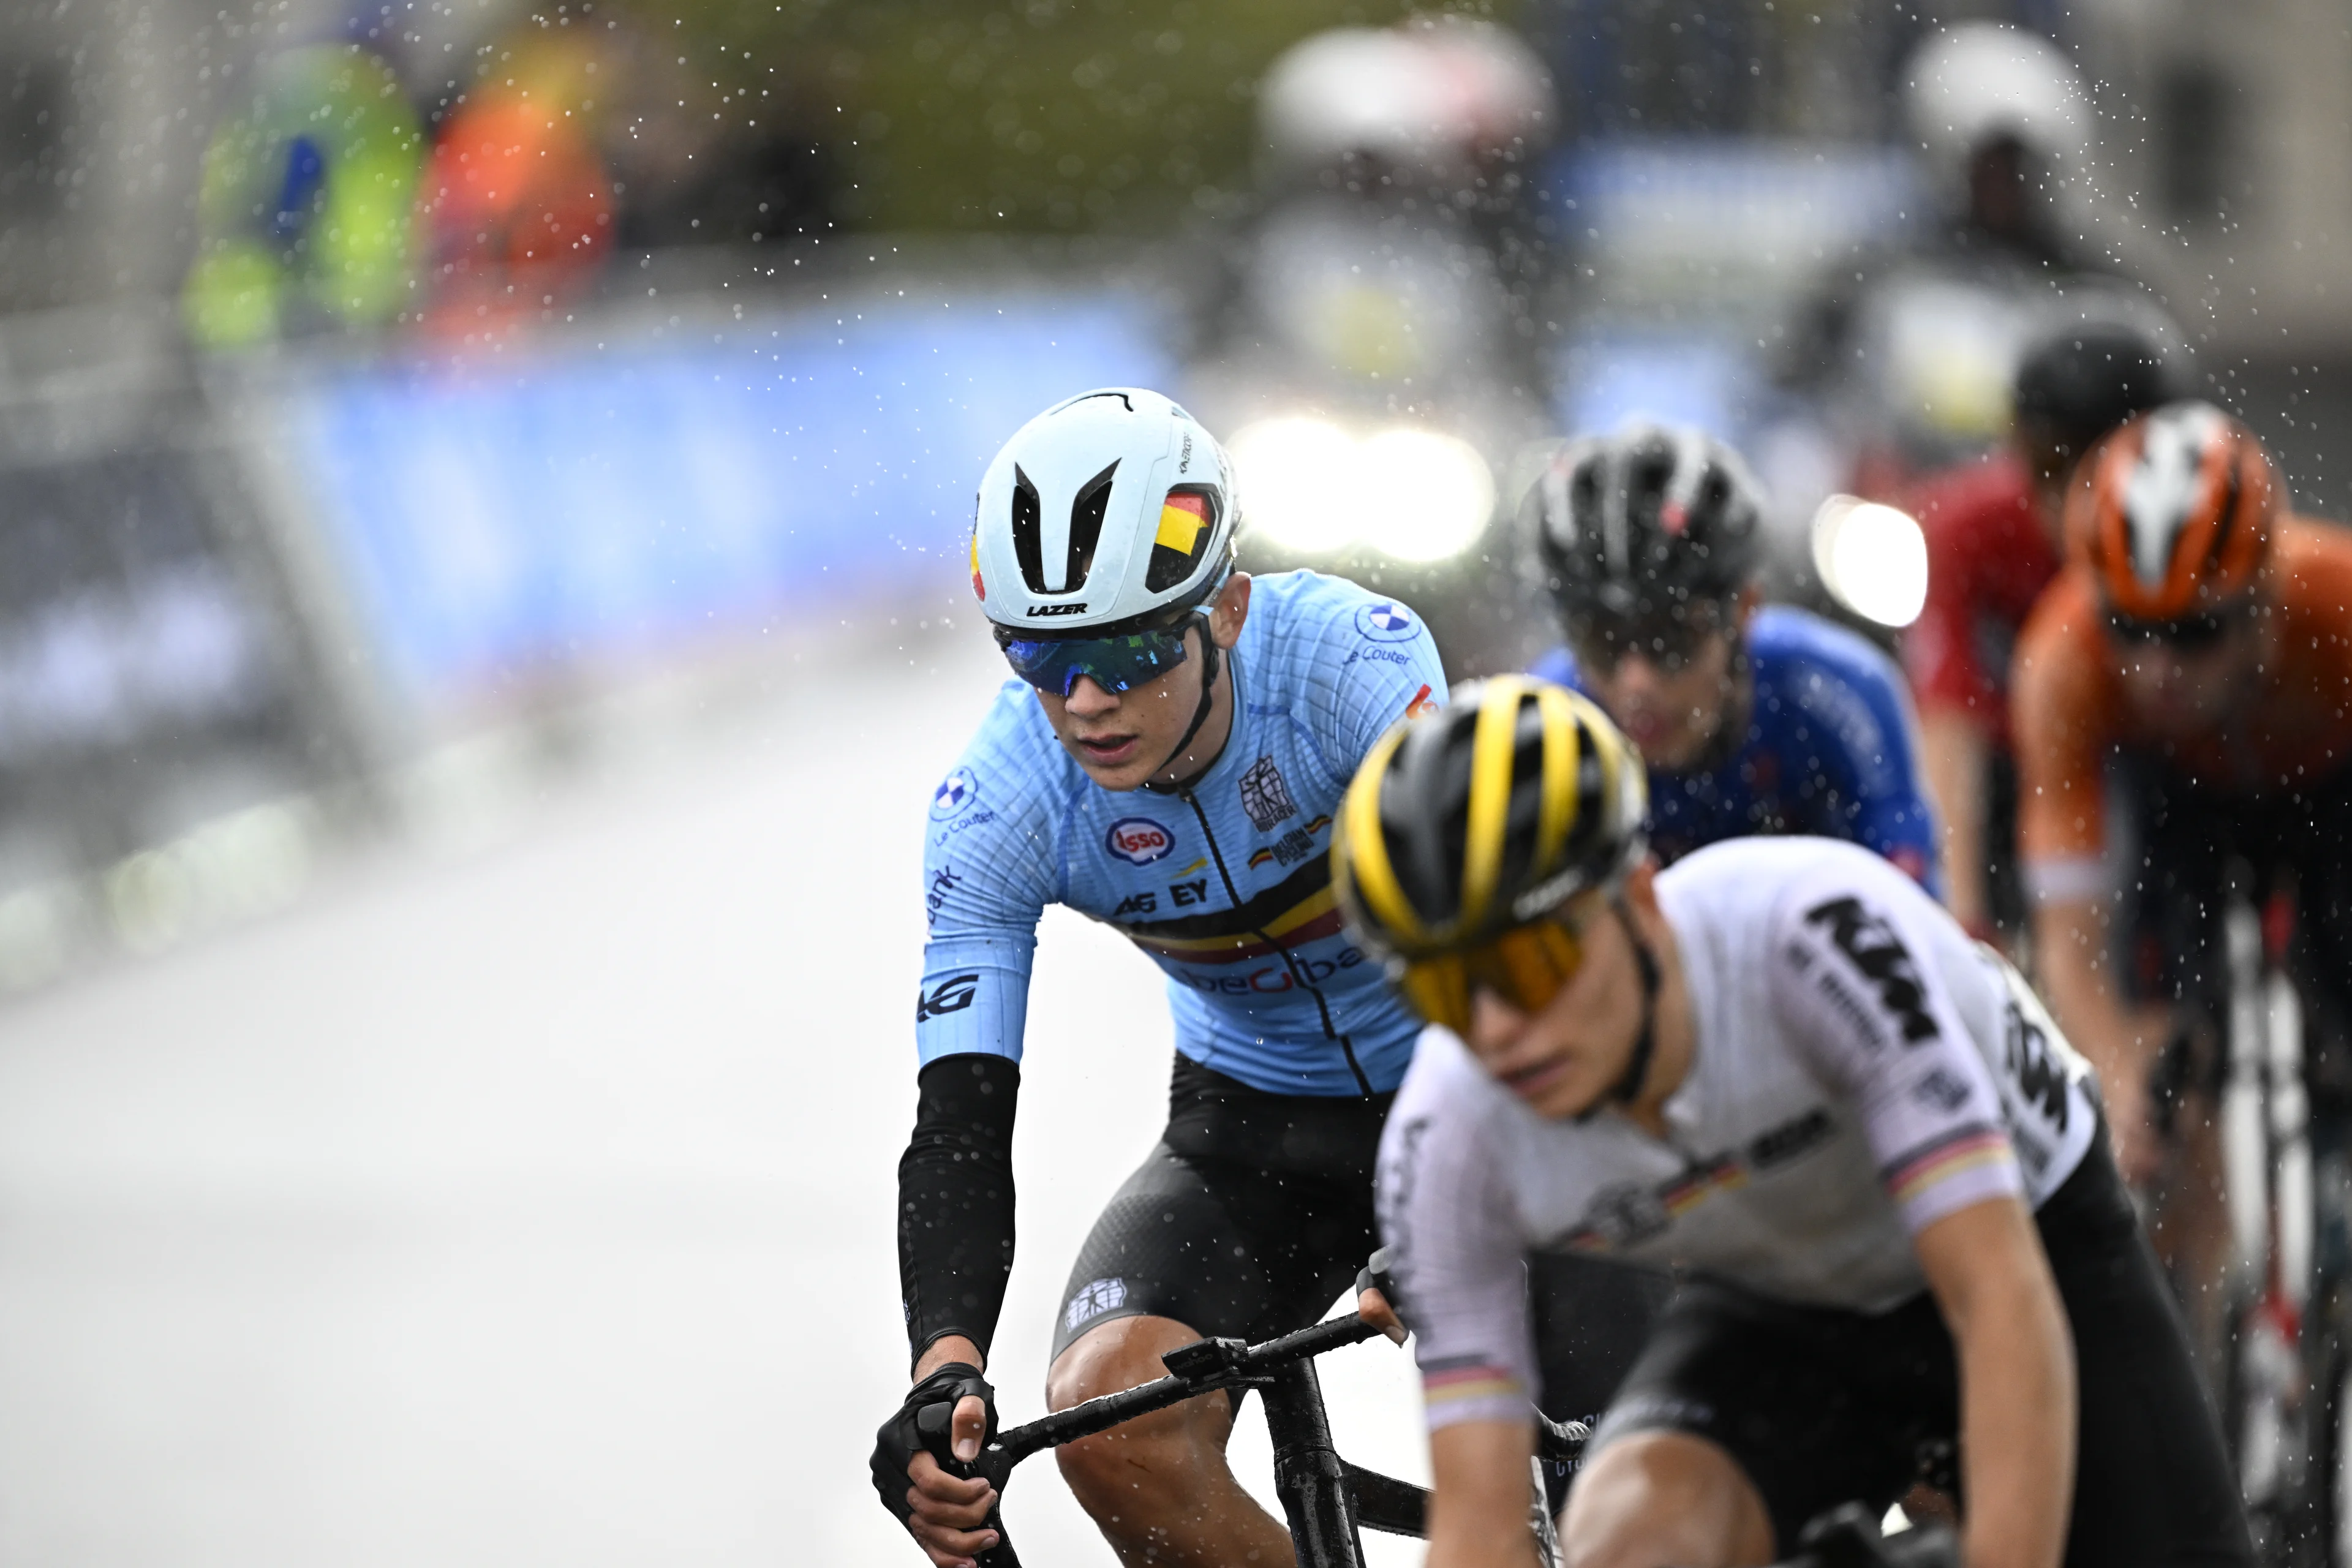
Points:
x=1993, y=543
x=515, y=206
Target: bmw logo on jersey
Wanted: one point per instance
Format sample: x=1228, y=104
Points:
x=956, y=792
x=1387, y=622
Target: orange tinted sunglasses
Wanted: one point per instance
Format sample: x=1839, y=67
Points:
x=1526, y=967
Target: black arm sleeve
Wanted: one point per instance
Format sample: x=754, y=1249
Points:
x=955, y=1200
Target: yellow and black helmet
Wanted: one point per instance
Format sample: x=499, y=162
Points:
x=1484, y=816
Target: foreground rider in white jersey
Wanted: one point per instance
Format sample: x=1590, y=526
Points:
x=1780, y=1068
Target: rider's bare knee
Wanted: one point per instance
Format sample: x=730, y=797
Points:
x=1123, y=1474
x=1657, y=1498
x=1142, y=1460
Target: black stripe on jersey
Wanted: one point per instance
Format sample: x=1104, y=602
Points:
x=1261, y=910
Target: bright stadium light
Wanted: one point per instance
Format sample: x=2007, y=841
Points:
x=1311, y=487
x=1872, y=558
x=1428, y=495
x=1297, y=483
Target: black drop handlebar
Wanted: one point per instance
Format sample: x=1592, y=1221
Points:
x=1206, y=1366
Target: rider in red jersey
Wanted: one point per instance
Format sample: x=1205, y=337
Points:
x=1992, y=529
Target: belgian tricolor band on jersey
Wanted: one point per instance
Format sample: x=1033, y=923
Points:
x=1295, y=911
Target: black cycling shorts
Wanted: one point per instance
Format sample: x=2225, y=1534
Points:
x=1591, y=1318
x=1821, y=1406
x=1248, y=1220
x=2187, y=847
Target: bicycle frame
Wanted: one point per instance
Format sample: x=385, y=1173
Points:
x=2288, y=1398
x=1328, y=1500
x=2261, y=1133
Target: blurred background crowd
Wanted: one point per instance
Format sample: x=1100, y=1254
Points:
x=377, y=376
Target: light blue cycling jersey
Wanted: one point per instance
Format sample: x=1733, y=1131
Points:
x=1226, y=883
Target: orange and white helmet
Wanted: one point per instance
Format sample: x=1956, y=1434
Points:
x=2174, y=513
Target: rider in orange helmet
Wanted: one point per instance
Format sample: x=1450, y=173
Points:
x=2176, y=522
x=2182, y=701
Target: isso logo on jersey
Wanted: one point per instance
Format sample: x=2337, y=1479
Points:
x=1138, y=840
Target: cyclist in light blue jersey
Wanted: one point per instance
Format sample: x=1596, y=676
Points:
x=1168, y=762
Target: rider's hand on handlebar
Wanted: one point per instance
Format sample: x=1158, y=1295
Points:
x=1374, y=1288
x=947, y=1515
x=947, y=1416
x=1374, y=1308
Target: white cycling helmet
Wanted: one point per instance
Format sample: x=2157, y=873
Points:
x=1424, y=96
x=1973, y=83
x=1113, y=510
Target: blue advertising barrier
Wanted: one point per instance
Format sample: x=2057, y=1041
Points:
x=605, y=501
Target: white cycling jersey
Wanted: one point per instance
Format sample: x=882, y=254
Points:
x=1861, y=1070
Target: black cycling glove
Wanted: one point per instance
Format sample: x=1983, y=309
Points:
x=925, y=1423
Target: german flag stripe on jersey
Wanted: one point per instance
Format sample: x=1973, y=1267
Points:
x=1677, y=1196
x=1694, y=1187
x=1454, y=1383
x=1966, y=1149
x=1293, y=913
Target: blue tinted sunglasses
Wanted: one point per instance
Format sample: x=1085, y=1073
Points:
x=1115, y=664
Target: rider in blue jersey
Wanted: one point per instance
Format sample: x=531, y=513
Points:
x=1751, y=721
x=1829, y=748
x=1168, y=762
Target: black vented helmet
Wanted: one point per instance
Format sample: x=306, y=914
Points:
x=1486, y=815
x=1645, y=522
x=2077, y=382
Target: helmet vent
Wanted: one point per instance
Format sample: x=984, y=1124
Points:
x=1028, y=528
x=1085, y=527
x=2163, y=492
x=2225, y=522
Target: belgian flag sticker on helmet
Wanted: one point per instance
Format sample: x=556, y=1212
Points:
x=1188, y=520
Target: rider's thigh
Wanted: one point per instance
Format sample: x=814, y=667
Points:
x=1664, y=1500
x=1179, y=1447
x=1230, y=1249
x=1115, y=1354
